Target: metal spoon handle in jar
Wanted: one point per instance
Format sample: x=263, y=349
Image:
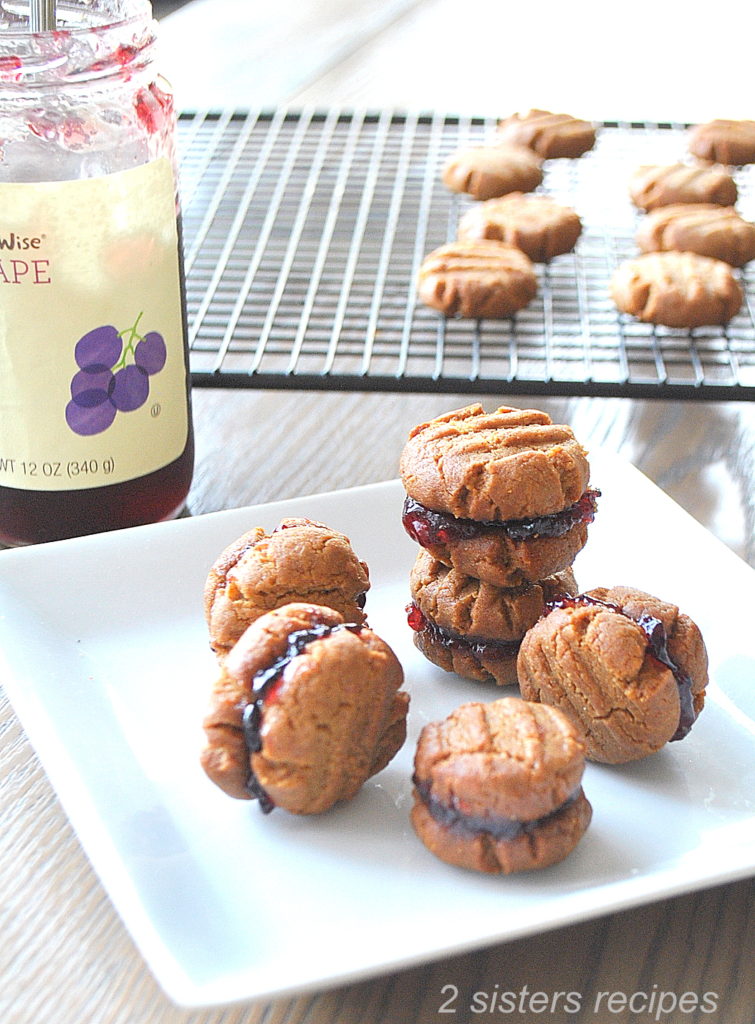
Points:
x=42, y=15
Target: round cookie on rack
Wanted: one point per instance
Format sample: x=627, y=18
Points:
x=538, y=225
x=654, y=185
x=724, y=141
x=485, y=171
x=677, y=289
x=482, y=279
x=547, y=134
x=704, y=228
x=628, y=668
x=472, y=628
x=304, y=710
x=498, y=787
x=300, y=560
x=500, y=496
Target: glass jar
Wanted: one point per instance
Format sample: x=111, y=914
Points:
x=95, y=418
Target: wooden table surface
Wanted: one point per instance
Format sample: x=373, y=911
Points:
x=65, y=957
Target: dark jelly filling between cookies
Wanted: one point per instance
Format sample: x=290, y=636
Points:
x=263, y=687
x=476, y=646
x=472, y=825
x=429, y=528
x=657, y=640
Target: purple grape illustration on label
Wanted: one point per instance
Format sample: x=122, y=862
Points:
x=130, y=388
x=113, y=376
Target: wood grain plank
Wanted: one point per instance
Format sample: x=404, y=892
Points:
x=253, y=446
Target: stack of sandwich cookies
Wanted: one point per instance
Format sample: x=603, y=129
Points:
x=500, y=505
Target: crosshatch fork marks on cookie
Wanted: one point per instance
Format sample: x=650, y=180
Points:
x=304, y=232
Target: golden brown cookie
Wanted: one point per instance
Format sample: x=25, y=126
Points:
x=506, y=554
x=539, y=226
x=500, y=496
x=629, y=669
x=482, y=279
x=494, y=466
x=724, y=141
x=677, y=289
x=704, y=228
x=301, y=560
x=547, y=134
x=657, y=185
x=305, y=709
x=472, y=628
x=484, y=172
x=497, y=787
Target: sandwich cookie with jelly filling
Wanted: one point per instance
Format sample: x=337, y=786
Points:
x=472, y=628
x=300, y=560
x=498, y=786
x=500, y=496
x=305, y=709
x=628, y=668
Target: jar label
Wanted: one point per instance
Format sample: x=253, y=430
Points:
x=93, y=374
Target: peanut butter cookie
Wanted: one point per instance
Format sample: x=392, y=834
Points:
x=500, y=496
x=629, y=669
x=484, y=172
x=494, y=466
x=301, y=560
x=504, y=554
x=497, y=787
x=304, y=710
x=539, y=226
x=547, y=134
x=657, y=185
x=704, y=228
x=484, y=279
x=724, y=141
x=472, y=628
x=677, y=289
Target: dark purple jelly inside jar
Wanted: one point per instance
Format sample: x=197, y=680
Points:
x=477, y=646
x=657, y=640
x=263, y=687
x=469, y=824
x=430, y=528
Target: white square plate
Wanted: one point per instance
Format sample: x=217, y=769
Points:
x=105, y=656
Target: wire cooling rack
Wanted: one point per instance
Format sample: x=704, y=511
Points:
x=304, y=231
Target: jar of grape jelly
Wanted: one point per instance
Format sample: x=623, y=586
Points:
x=95, y=418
